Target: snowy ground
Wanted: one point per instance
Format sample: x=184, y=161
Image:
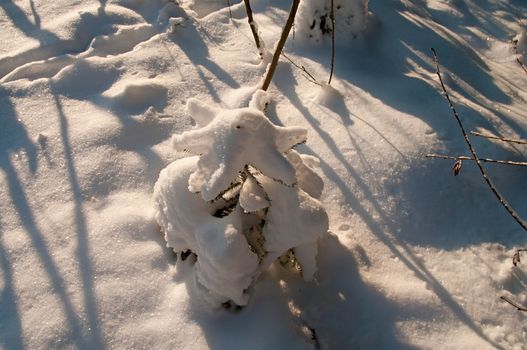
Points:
x=91, y=92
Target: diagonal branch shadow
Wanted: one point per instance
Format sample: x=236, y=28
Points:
x=23, y=209
x=83, y=249
x=11, y=335
x=190, y=41
x=16, y=138
x=382, y=227
x=19, y=19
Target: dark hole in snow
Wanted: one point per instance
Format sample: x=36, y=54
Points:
x=184, y=255
x=324, y=25
x=313, y=25
x=224, y=211
x=238, y=127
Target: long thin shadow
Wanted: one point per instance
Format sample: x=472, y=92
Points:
x=35, y=14
x=13, y=137
x=408, y=258
x=102, y=8
x=348, y=308
x=83, y=249
x=19, y=18
x=11, y=336
x=20, y=202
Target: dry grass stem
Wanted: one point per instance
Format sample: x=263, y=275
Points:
x=486, y=160
x=280, y=45
x=504, y=139
x=493, y=188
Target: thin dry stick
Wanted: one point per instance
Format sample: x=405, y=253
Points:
x=521, y=142
x=306, y=74
x=253, y=26
x=521, y=65
x=280, y=45
x=502, y=200
x=513, y=303
x=230, y=12
x=332, y=16
x=486, y=160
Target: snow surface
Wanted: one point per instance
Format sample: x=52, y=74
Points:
x=91, y=93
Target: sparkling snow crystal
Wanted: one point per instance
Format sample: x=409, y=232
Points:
x=245, y=200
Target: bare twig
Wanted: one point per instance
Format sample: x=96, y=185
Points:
x=516, y=256
x=230, y=12
x=280, y=45
x=502, y=200
x=521, y=65
x=504, y=139
x=306, y=74
x=486, y=160
x=332, y=16
x=254, y=27
x=513, y=303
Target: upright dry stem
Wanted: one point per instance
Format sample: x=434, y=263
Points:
x=513, y=303
x=493, y=188
x=253, y=26
x=280, y=45
x=332, y=15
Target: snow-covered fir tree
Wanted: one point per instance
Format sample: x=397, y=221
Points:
x=243, y=201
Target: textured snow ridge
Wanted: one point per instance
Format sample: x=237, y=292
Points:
x=245, y=201
x=313, y=21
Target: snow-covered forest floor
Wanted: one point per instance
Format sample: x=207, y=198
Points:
x=92, y=91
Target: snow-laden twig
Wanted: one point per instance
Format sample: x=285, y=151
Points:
x=280, y=45
x=504, y=139
x=486, y=160
x=493, y=188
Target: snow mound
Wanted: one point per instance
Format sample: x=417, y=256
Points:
x=138, y=95
x=313, y=21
